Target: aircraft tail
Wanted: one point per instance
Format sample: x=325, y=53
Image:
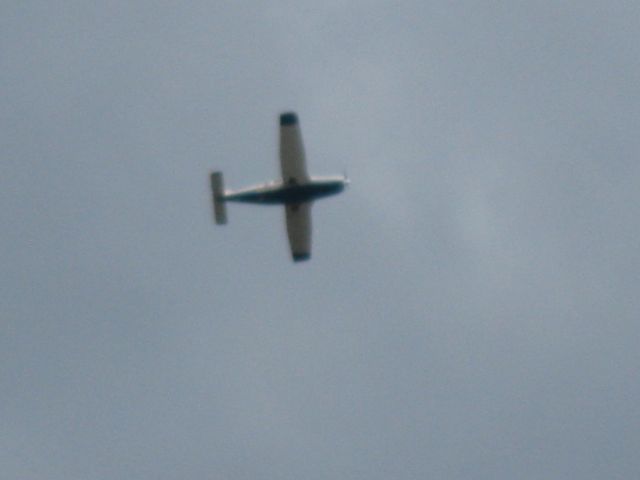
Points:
x=219, y=205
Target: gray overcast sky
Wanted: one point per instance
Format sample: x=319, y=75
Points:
x=471, y=308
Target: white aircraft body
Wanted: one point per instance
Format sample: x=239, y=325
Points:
x=296, y=191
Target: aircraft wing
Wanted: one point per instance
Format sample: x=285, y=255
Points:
x=298, y=217
x=292, y=159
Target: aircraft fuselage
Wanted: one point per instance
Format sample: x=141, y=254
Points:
x=279, y=193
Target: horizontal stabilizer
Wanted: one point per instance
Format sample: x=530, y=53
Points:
x=219, y=205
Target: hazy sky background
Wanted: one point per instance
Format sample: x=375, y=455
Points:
x=471, y=309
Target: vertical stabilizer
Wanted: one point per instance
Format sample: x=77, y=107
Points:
x=219, y=206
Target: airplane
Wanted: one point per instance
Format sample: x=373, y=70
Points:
x=296, y=190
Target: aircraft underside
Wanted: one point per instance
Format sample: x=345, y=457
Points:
x=296, y=190
x=288, y=194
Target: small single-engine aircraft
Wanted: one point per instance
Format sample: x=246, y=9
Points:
x=296, y=190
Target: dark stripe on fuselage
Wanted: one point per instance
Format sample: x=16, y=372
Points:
x=289, y=193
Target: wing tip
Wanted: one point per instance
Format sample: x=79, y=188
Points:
x=288, y=118
x=301, y=257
